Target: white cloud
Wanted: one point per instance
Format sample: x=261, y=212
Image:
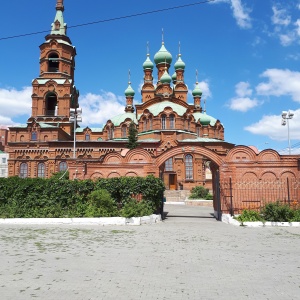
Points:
x=241, y=14
x=243, y=104
x=204, y=86
x=98, y=108
x=285, y=29
x=242, y=101
x=286, y=39
x=297, y=24
x=14, y=103
x=281, y=83
x=242, y=89
x=294, y=56
x=271, y=127
x=280, y=17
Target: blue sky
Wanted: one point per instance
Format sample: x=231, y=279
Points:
x=247, y=53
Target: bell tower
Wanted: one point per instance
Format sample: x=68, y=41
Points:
x=54, y=91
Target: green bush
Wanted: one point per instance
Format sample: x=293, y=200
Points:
x=276, y=212
x=249, y=215
x=134, y=208
x=199, y=192
x=101, y=204
x=209, y=197
x=296, y=217
x=49, y=198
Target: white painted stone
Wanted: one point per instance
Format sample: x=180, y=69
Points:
x=253, y=224
x=295, y=224
x=85, y=221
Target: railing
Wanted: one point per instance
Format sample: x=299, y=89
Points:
x=239, y=195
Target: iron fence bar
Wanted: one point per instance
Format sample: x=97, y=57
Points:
x=230, y=191
x=288, y=190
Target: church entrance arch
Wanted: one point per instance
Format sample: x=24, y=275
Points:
x=182, y=168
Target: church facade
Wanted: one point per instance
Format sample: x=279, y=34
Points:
x=177, y=141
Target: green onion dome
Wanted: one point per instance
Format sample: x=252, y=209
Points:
x=148, y=64
x=174, y=77
x=165, y=78
x=205, y=119
x=179, y=63
x=197, y=91
x=163, y=56
x=129, y=91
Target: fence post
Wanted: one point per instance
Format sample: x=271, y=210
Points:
x=231, y=205
x=288, y=190
x=218, y=196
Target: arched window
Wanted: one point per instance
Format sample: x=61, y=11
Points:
x=110, y=133
x=87, y=137
x=144, y=124
x=22, y=138
x=163, y=122
x=169, y=164
x=188, y=167
x=45, y=138
x=23, y=170
x=124, y=131
x=189, y=125
x=63, y=166
x=172, y=122
x=53, y=62
x=198, y=131
x=51, y=103
x=185, y=124
x=41, y=170
x=150, y=123
x=33, y=135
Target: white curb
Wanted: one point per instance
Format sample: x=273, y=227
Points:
x=85, y=221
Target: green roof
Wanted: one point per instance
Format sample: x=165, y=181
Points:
x=92, y=129
x=117, y=120
x=204, y=117
x=157, y=108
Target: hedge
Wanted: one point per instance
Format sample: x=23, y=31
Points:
x=36, y=197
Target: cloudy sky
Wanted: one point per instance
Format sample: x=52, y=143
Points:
x=247, y=53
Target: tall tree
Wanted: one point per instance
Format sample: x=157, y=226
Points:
x=132, y=136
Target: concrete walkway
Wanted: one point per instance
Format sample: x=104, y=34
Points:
x=187, y=256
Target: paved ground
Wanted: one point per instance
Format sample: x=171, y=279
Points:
x=191, y=257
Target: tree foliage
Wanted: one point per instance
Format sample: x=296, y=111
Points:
x=132, y=136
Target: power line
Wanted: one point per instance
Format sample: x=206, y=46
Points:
x=113, y=19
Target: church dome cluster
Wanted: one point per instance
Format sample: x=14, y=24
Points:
x=164, y=105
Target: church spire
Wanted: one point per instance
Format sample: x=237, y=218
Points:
x=59, y=27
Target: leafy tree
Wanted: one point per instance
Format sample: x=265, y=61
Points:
x=132, y=136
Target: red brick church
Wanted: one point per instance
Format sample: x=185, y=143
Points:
x=177, y=140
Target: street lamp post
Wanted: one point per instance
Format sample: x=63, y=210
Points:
x=75, y=116
x=286, y=116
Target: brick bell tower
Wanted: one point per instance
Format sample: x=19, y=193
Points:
x=54, y=92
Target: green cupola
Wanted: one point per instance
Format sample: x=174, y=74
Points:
x=148, y=64
x=197, y=91
x=205, y=119
x=163, y=56
x=129, y=92
x=166, y=78
x=179, y=63
x=174, y=77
